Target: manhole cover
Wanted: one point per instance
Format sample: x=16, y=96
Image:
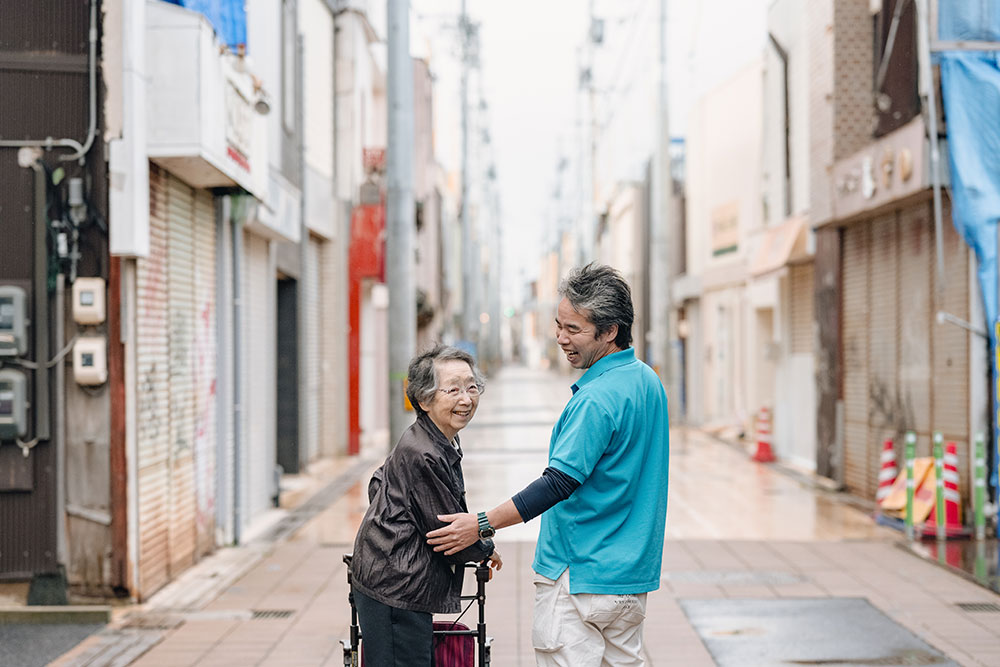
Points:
x=987, y=607
x=734, y=577
x=259, y=614
x=824, y=631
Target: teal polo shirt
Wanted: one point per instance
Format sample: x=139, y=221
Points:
x=614, y=438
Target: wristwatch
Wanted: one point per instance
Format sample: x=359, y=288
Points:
x=486, y=531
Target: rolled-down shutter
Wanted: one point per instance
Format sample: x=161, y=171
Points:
x=801, y=282
x=855, y=357
x=885, y=419
x=950, y=352
x=182, y=316
x=153, y=396
x=204, y=372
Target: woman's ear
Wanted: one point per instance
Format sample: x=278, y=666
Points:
x=426, y=407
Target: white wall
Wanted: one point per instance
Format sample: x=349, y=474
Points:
x=786, y=21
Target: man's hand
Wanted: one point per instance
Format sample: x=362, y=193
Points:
x=462, y=531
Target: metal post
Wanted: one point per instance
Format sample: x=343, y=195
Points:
x=910, y=452
x=399, y=213
x=660, y=269
x=979, y=487
x=939, y=485
x=236, y=228
x=40, y=316
x=469, y=318
x=928, y=93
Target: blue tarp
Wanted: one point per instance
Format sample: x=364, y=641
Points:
x=228, y=17
x=970, y=85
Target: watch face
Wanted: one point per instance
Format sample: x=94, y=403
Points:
x=487, y=533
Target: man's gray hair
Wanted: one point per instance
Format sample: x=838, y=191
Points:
x=602, y=295
x=422, y=379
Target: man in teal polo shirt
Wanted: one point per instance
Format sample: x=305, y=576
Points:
x=603, y=498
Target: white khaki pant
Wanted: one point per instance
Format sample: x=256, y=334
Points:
x=586, y=629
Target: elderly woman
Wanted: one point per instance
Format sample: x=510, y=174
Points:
x=399, y=580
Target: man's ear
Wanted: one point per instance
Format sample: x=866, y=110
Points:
x=610, y=334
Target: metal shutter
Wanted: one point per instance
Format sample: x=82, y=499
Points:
x=950, y=352
x=801, y=282
x=885, y=417
x=153, y=394
x=258, y=446
x=311, y=351
x=204, y=358
x=180, y=279
x=916, y=268
x=855, y=355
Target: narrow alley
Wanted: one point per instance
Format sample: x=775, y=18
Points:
x=760, y=568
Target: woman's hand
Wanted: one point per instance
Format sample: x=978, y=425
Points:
x=496, y=563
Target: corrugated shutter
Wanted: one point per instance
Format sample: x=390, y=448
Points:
x=950, y=353
x=855, y=355
x=180, y=272
x=885, y=416
x=311, y=351
x=801, y=282
x=916, y=268
x=176, y=345
x=153, y=394
x=205, y=330
x=258, y=314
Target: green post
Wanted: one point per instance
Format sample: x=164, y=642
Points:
x=939, y=484
x=979, y=487
x=910, y=452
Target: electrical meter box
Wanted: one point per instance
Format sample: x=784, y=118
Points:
x=90, y=361
x=13, y=321
x=88, y=301
x=13, y=404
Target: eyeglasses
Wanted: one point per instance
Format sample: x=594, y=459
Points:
x=472, y=390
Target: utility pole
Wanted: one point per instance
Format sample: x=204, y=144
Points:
x=470, y=308
x=660, y=270
x=586, y=251
x=399, y=214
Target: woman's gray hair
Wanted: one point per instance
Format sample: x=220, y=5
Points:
x=602, y=295
x=422, y=379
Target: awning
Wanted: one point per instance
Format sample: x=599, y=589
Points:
x=785, y=244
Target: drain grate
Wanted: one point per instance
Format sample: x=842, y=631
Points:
x=985, y=607
x=260, y=614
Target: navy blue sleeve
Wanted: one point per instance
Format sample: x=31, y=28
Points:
x=552, y=487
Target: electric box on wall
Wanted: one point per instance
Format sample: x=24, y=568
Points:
x=13, y=321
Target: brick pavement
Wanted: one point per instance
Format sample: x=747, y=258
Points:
x=735, y=530
x=305, y=576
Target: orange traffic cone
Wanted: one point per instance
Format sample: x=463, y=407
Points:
x=952, y=502
x=763, y=453
x=887, y=475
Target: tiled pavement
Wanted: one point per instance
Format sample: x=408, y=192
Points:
x=735, y=530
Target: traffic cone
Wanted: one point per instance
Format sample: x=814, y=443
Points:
x=952, y=501
x=887, y=474
x=763, y=453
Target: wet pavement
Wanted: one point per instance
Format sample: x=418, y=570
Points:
x=736, y=531
x=979, y=561
x=35, y=645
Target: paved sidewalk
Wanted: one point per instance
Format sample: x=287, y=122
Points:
x=735, y=530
